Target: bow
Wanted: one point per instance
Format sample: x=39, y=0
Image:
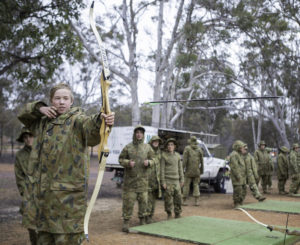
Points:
x=214, y=99
x=105, y=130
x=270, y=227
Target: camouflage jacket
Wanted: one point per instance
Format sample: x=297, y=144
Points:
x=136, y=178
x=59, y=165
x=294, y=163
x=283, y=166
x=192, y=161
x=154, y=172
x=171, y=168
x=264, y=162
x=238, y=170
x=26, y=188
x=252, y=175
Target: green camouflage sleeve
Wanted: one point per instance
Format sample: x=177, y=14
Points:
x=180, y=169
x=162, y=170
x=185, y=157
x=234, y=168
x=20, y=176
x=30, y=115
x=256, y=157
x=201, y=162
x=91, y=127
x=124, y=158
x=293, y=163
x=150, y=156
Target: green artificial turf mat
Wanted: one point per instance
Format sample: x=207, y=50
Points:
x=275, y=206
x=205, y=230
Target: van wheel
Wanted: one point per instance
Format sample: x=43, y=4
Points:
x=220, y=180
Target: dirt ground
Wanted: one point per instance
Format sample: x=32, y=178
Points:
x=106, y=222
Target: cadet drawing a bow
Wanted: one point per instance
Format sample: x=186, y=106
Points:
x=105, y=130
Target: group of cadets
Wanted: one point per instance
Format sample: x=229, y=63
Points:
x=248, y=170
x=148, y=169
x=52, y=170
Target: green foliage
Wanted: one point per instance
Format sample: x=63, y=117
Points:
x=36, y=39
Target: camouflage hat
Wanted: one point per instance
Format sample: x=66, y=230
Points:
x=284, y=149
x=238, y=144
x=193, y=140
x=296, y=146
x=139, y=127
x=171, y=140
x=155, y=137
x=262, y=142
x=23, y=131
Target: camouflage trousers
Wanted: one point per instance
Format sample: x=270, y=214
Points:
x=46, y=238
x=266, y=180
x=281, y=184
x=254, y=190
x=173, y=197
x=129, y=198
x=239, y=193
x=187, y=184
x=152, y=196
x=295, y=184
x=32, y=236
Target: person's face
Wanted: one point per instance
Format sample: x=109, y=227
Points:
x=155, y=143
x=139, y=134
x=28, y=139
x=243, y=150
x=62, y=100
x=297, y=149
x=262, y=147
x=171, y=146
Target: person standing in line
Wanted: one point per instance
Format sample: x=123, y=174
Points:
x=265, y=165
x=154, y=188
x=294, y=169
x=172, y=179
x=252, y=175
x=137, y=158
x=238, y=172
x=59, y=164
x=25, y=186
x=283, y=169
x=193, y=168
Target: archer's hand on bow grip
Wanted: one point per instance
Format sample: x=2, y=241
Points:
x=107, y=119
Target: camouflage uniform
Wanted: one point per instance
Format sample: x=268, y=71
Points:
x=193, y=166
x=26, y=189
x=265, y=166
x=59, y=168
x=154, y=188
x=172, y=176
x=135, y=186
x=294, y=169
x=252, y=176
x=282, y=169
x=238, y=173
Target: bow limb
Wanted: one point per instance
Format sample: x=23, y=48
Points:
x=271, y=228
x=105, y=130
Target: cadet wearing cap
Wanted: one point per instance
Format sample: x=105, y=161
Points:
x=25, y=186
x=172, y=178
x=282, y=169
x=193, y=166
x=136, y=158
x=265, y=165
x=294, y=169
